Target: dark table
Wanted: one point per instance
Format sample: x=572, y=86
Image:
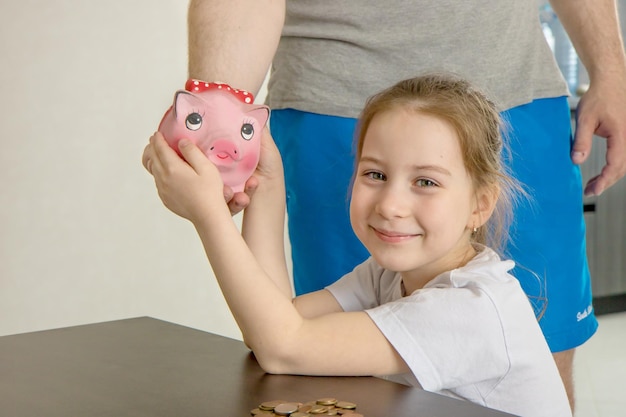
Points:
x=147, y=367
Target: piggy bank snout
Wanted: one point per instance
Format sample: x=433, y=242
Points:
x=224, y=149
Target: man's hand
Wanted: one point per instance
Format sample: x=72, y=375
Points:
x=602, y=111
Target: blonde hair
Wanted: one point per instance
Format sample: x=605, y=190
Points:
x=479, y=129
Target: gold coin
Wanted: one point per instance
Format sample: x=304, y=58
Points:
x=269, y=405
x=346, y=404
x=318, y=409
x=321, y=407
x=286, y=409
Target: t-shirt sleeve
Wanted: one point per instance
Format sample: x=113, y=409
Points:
x=358, y=290
x=448, y=337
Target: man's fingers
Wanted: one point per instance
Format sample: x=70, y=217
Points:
x=612, y=172
x=251, y=185
x=238, y=202
x=583, y=140
x=228, y=193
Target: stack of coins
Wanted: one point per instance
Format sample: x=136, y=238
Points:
x=317, y=408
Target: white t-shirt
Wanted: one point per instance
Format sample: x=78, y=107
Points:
x=470, y=333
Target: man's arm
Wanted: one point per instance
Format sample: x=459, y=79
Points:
x=593, y=27
x=234, y=41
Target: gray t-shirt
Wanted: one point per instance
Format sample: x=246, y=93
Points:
x=335, y=54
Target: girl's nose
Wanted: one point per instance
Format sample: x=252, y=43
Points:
x=392, y=203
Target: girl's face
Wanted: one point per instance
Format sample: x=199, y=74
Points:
x=413, y=203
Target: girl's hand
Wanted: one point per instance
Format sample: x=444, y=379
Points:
x=190, y=189
x=168, y=169
x=270, y=168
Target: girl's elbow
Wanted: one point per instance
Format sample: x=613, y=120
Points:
x=275, y=360
x=271, y=367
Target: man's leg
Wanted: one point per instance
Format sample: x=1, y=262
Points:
x=318, y=157
x=548, y=235
x=565, y=362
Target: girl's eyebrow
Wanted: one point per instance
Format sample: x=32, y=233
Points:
x=435, y=168
x=369, y=159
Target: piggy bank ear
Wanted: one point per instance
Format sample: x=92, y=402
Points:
x=186, y=107
x=260, y=114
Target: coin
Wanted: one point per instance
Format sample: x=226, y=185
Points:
x=270, y=405
x=286, y=409
x=319, y=409
x=327, y=406
x=345, y=404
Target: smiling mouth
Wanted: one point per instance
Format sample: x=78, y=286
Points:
x=393, y=237
x=222, y=155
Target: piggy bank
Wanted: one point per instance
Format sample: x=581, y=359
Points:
x=223, y=122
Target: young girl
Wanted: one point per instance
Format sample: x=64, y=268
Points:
x=433, y=306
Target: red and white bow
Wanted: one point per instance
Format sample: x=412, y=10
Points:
x=197, y=86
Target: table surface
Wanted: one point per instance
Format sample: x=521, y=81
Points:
x=147, y=367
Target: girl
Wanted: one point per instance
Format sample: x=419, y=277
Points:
x=433, y=306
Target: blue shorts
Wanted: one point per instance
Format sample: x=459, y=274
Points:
x=548, y=234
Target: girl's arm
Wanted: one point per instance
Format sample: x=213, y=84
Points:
x=264, y=219
x=283, y=339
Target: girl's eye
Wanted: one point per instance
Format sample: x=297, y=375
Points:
x=378, y=176
x=423, y=182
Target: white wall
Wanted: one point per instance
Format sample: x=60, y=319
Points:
x=83, y=235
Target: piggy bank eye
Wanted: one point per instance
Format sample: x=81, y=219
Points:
x=193, y=121
x=247, y=131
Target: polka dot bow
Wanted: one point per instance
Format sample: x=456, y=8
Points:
x=197, y=86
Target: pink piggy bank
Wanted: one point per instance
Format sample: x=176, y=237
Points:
x=223, y=122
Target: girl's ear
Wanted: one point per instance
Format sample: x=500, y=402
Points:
x=485, y=203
